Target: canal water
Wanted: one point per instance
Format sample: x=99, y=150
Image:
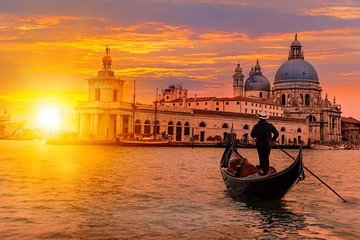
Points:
x=109, y=192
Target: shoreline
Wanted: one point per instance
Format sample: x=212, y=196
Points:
x=154, y=144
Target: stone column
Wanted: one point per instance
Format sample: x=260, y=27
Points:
x=78, y=124
x=96, y=125
x=119, y=124
x=82, y=125
x=91, y=135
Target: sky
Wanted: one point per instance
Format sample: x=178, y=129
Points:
x=48, y=48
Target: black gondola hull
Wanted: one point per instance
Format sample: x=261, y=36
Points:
x=272, y=186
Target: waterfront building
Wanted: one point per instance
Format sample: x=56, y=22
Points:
x=106, y=117
x=295, y=106
x=350, y=128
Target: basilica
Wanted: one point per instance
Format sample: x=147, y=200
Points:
x=294, y=103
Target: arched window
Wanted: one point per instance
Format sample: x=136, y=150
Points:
x=171, y=128
x=311, y=118
x=260, y=94
x=225, y=125
x=283, y=99
x=156, y=127
x=137, y=126
x=283, y=129
x=246, y=127
x=307, y=100
x=147, y=127
x=187, y=129
x=202, y=124
x=217, y=109
x=299, y=130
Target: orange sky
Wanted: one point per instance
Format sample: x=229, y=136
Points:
x=49, y=48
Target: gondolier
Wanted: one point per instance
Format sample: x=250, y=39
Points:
x=262, y=131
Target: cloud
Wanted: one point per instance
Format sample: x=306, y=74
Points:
x=351, y=74
x=196, y=43
x=32, y=23
x=341, y=12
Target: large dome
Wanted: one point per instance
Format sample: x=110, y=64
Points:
x=296, y=69
x=257, y=83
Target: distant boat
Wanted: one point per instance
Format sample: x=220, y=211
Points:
x=322, y=147
x=145, y=142
x=250, y=184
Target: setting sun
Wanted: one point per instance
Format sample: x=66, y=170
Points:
x=49, y=118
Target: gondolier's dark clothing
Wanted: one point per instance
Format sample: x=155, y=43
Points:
x=262, y=132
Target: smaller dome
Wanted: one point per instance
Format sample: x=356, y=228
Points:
x=107, y=60
x=172, y=86
x=257, y=82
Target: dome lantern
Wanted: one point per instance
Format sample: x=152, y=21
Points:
x=257, y=66
x=107, y=59
x=295, y=49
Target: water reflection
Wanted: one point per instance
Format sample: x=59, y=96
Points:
x=275, y=219
x=117, y=193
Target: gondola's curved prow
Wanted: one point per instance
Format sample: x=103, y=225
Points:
x=271, y=186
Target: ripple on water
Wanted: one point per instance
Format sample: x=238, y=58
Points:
x=82, y=192
x=54, y=235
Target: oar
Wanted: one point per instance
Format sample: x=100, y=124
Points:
x=314, y=175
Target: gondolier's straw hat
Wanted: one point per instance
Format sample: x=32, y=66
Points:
x=262, y=115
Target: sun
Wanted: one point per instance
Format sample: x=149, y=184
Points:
x=49, y=118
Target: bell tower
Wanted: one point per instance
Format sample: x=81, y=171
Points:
x=238, y=82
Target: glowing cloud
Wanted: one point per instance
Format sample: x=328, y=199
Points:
x=341, y=12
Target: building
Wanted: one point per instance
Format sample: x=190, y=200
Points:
x=295, y=106
x=297, y=89
x=350, y=129
x=249, y=97
x=106, y=117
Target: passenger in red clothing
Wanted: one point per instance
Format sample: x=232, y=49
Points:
x=262, y=131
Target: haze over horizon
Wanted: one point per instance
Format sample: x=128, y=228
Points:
x=50, y=47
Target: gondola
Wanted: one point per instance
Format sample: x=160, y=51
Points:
x=272, y=186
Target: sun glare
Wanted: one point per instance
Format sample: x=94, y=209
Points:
x=49, y=118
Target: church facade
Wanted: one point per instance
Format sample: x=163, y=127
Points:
x=106, y=117
x=297, y=89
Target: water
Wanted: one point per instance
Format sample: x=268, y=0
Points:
x=107, y=192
